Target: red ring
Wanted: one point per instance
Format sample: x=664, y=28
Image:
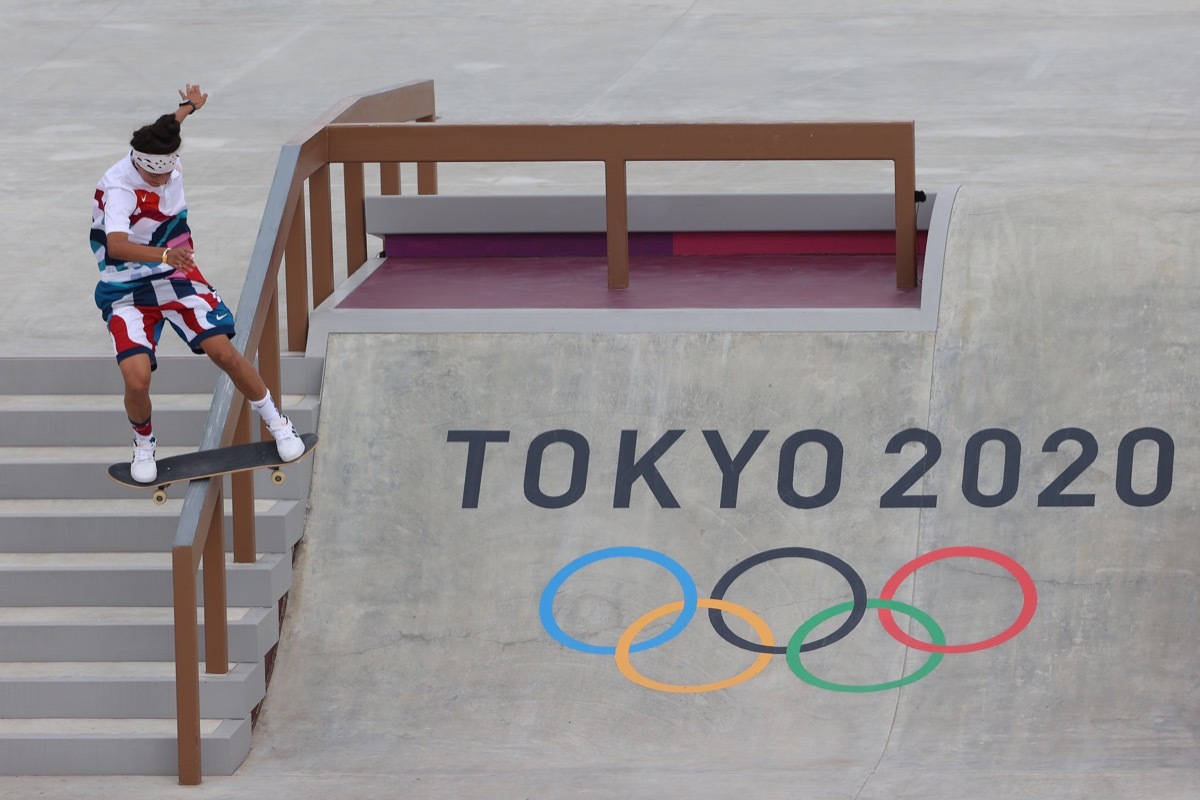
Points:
x=1028, y=591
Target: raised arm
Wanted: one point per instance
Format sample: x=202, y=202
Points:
x=193, y=100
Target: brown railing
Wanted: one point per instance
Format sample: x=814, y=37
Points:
x=200, y=537
x=375, y=129
x=618, y=144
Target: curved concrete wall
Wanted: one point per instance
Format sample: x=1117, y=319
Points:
x=1055, y=402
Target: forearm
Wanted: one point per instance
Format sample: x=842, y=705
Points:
x=125, y=250
x=120, y=248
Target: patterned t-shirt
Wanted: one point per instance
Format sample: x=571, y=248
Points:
x=151, y=215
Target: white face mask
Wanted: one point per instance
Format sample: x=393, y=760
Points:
x=155, y=164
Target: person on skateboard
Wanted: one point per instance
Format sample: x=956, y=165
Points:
x=143, y=246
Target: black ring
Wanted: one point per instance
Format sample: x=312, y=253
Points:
x=857, y=587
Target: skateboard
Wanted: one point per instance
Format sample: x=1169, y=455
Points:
x=211, y=463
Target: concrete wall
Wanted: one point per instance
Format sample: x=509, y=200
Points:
x=416, y=649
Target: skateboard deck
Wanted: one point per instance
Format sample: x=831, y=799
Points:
x=211, y=463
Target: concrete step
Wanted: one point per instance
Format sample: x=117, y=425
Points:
x=33, y=420
x=131, y=526
x=87, y=639
x=42, y=473
x=123, y=633
x=121, y=690
x=176, y=374
x=116, y=747
x=129, y=579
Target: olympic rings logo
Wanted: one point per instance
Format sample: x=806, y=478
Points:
x=717, y=606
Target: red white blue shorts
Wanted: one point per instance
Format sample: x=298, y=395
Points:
x=136, y=311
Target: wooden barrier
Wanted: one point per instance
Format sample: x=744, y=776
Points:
x=618, y=144
x=376, y=129
x=199, y=536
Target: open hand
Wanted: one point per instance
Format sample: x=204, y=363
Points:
x=192, y=94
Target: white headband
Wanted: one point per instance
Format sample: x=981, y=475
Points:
x=154, y=163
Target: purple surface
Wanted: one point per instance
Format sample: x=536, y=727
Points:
x=498, y=245
x=654, y=282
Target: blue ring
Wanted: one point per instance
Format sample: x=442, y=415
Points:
x=690, y=597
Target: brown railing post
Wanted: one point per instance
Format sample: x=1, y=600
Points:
x=296, y=281
x=200, y=535
x=269, y=365
x=616, y=208
x=427, y=178
x=389, y=178
x=356, y=223
x=268, y=352
x=906, y=221
x=187, y=665
x=427, y=182
x=216, y=624
x=245, y=546
x=320, y=212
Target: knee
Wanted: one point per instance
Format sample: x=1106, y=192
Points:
x=224, y=355
x=137, y=379
x=138, y=386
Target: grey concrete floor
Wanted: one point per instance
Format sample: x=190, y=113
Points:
x=1015, y=94
x=1077, y=119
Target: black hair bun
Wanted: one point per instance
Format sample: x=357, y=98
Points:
x=159, y=137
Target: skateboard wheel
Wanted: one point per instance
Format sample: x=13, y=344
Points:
x=159, y=497
x=278, y=477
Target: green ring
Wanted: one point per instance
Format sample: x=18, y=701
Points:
x=793, y=648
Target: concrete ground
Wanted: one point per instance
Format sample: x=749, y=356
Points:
x=1068, y=302
x=1013, y=94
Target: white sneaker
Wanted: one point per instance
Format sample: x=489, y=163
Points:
x=287, y=441
x=143, y=469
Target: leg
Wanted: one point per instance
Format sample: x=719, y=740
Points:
x=246, y=378
x=239, y=369
x=198, y=313
x=136, y=371
x=134, y=330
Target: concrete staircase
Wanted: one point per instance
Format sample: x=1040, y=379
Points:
x=87, y=675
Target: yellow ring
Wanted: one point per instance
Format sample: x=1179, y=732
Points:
x=626, y=641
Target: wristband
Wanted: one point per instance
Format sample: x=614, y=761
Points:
x=189, y=103
x=165, y=254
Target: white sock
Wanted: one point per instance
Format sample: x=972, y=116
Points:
x=266, y=409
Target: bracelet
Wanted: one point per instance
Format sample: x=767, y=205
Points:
x=165, y=254
x=189, y=103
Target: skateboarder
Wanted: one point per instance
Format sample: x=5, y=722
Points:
x=143, y=246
